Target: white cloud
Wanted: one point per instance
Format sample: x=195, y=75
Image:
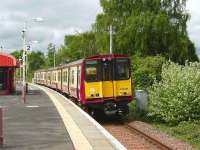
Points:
x=61, y=17
x=194, y=23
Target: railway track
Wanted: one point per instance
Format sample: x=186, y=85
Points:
x=148, y=138
x=131, y=137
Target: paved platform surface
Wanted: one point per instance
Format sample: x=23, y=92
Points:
x=84, y=131
x=50, y=121
x=36, y=125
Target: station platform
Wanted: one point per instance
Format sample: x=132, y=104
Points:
x=50, y=121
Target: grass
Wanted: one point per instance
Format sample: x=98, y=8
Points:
x=188, y=132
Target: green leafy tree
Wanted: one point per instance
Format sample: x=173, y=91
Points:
x=36, y=60
x=17, y=54
x=77, y=46
x=146, y=27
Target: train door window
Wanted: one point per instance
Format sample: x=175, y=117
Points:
x=59, y=76
x=107, y=68
x=122, y=69
x=72, y=81
x=63, y=76
x=92, y=69
x=56, y=76
x=66, y=76
x=78, y=76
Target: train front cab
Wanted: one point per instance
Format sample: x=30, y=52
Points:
x=108, y=83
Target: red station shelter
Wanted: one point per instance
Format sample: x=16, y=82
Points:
x=8, y=64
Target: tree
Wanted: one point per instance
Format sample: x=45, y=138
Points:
x=146, y=27
x=36, y=61
x=17, y=54
x=77, y=46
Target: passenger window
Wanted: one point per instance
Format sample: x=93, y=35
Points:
x=66, y=76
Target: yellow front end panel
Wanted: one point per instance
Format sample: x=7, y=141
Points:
x=107, y=87
x=122, y=88
x=93, y=90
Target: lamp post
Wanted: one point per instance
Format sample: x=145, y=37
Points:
x=111, y=39
x=24, y=64
x=24, y=58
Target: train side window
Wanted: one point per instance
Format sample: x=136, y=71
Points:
x=65, y=76
x=92, y=71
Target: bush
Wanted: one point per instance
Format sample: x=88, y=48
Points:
x=146, y=70
x=176, y=97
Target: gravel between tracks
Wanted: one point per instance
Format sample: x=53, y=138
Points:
x=130, y=140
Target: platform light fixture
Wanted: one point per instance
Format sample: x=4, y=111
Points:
x=24, y=57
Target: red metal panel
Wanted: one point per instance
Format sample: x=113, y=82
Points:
x=7, y=60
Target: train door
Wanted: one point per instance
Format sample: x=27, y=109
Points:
x=107, y=78
x=78, y=81
x=122, y=78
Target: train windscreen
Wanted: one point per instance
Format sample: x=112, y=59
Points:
x=122, y=69
x=92, y=69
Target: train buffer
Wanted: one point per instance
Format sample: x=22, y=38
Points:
x=49, y=121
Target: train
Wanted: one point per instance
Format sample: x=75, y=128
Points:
x=100, y=84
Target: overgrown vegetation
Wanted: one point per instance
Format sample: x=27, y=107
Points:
x=145, y=70
x=176, y=97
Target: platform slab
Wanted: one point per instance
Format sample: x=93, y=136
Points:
x=89, y=132
x=35, y=125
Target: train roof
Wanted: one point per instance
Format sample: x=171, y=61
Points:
x=100, y=56
x=107, y=56
x=73, y=63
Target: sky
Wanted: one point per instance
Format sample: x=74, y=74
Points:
x=61, y=17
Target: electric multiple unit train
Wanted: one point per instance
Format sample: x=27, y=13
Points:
x=98, y=83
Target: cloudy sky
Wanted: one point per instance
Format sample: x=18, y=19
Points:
x=61, y=17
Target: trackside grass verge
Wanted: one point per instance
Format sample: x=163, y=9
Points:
x=188, y=131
